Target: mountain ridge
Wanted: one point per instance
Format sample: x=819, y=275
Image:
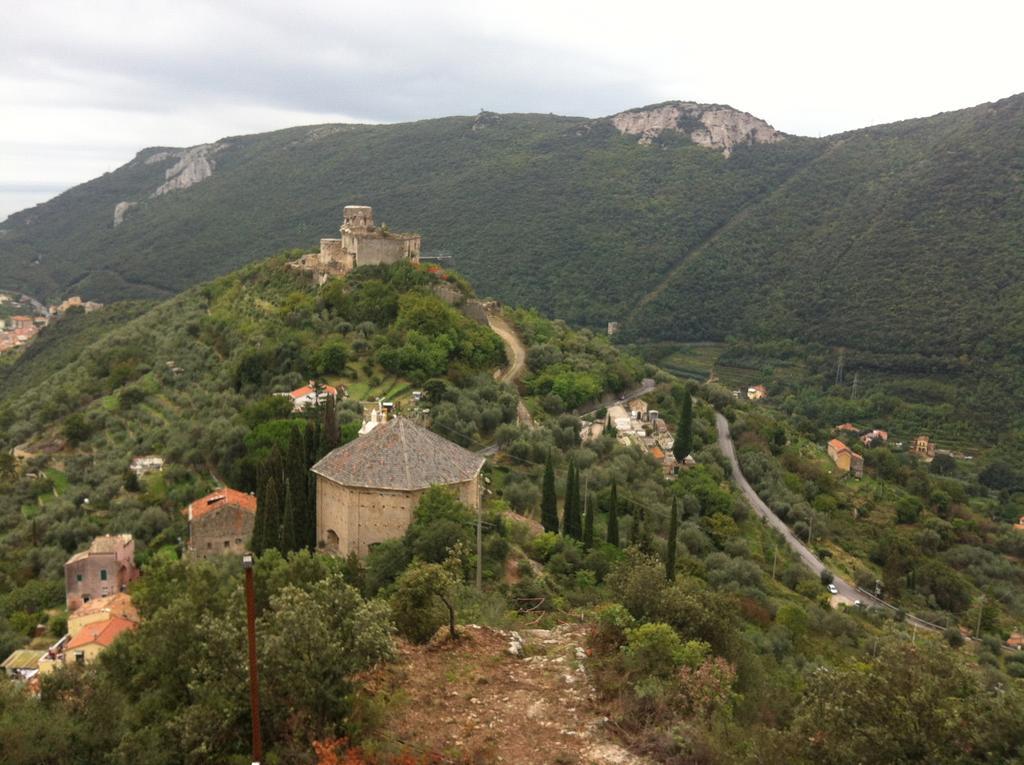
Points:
x=582, y=219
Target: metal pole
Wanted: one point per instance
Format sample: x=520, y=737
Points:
x=254, y=682
x=479, y=548
x=981, y=610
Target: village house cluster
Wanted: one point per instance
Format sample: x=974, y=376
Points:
x=18, y=330
x=99, y=608
x=25, y=318
x=636, y=424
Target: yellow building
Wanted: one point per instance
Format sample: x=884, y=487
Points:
x=90, y=641
x=847, y=460
x=101, y=610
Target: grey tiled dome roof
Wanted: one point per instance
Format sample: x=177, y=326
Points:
x=399, y=455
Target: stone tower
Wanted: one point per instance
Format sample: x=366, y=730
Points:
x=357, y=219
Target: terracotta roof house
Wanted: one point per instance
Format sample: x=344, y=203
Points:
x=847, y=460
x=307, y=396
x=104, y=569
x=881, y=436
x=367, y=490
x=102, y=609
x=1015, y=641
x=757, y=392
x=848, y=427
x=92, y=639
x=221, y=522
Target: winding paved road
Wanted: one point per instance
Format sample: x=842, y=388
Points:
x=847, y=592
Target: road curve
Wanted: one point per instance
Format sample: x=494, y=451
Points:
x=515, y=346
x=847, y=592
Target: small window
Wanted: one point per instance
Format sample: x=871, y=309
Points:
x=78, y=577
x=227, y=543
x=79, y=657
x=238, y=540
x=103, y=575
x=86, y=598
x=209, y=545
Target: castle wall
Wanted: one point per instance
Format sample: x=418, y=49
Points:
x=378, y=250
x=333, y=251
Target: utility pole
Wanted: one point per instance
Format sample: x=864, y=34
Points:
x=981, y=610
x=856, y=376
x=254, y=682
x=839, y=367
x=810, y=530
x=775, y=558
x=480, y=546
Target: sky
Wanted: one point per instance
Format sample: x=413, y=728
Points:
x=85, y=85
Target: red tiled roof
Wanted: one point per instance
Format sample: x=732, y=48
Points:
x=102, y=633
x=307, y=390
x=657, y=453
x=849, y=426
x=220, y=498
x=838, y=445
x=119, y=604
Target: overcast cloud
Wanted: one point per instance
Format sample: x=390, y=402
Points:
x=84, y=85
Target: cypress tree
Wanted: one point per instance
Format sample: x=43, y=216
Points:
x=634, y=526
x=670, y=554
x=683, y=442
x=294, y=482
x=549, y=500
x=613, y=516
x=268, y=518
x=290, y=521
x=588, y=523
x=257, y=541
x=330, y=428
x=571, y=519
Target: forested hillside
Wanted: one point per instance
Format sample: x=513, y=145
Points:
x=900, y=243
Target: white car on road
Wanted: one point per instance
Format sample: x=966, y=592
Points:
x=833, y=589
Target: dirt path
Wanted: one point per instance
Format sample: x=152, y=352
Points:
x=473, y=702
x=515, y=347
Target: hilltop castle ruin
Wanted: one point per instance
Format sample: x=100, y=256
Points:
x=361, y=244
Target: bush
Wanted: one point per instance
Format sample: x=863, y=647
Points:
x=953, y=637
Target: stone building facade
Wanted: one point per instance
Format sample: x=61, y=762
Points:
x=367, y=490
x=361, y=244
x=220, y=523
x=104, y=569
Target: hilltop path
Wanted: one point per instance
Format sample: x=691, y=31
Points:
x=516, y=349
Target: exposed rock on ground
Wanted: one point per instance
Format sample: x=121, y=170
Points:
x=713, y=126
x=476, y=702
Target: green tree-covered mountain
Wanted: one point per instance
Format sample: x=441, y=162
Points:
x=896, y=239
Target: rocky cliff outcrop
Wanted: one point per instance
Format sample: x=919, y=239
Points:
x=194, y=165
x=710, y=125
x=120, y=210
